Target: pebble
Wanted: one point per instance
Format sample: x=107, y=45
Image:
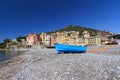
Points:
x=44, y=64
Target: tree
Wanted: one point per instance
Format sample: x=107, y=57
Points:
x=6, y=41
x=2, y=46
x=19, y=38
x=77, y=28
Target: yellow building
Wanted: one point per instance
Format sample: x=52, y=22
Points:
x=68, y=37
x=91, y=40
x=42, y=36
x=73, y=38
x=81, y=41
x=94, y=41
x=61, y=37
x=86, y=34
x=45, y=38
x=104, y=40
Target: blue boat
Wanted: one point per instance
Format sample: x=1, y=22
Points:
x=65, y=48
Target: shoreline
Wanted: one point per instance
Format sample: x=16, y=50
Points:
x=13, y=59
x=46, y=64
x=2, y=49
x=22, y=51
x=17, y=58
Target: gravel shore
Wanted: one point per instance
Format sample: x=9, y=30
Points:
x=45, y=64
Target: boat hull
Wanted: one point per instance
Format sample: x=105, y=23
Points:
x=64, y=48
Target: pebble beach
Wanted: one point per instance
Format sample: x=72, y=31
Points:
x=98, y=63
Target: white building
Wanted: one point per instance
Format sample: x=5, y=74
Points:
x=47, y=39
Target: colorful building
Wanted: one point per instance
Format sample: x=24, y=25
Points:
x=72, y=38
x=33, y=39
x=53, y=39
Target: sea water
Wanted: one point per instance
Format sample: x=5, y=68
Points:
x=6, y=55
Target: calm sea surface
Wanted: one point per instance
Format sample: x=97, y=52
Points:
x=6, y=55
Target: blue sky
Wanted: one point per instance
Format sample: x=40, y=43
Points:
x=21, y=17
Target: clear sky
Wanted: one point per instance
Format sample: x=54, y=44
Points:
x=21, y=17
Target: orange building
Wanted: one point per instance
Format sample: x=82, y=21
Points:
x=33, y=39
x=53, y=39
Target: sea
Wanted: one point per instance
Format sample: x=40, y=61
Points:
x=6, y=55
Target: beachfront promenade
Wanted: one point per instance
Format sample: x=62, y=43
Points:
x=98, y=63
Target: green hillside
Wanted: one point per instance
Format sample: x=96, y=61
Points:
x=77, y=28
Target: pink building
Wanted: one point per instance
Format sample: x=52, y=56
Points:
x=53, y=40
x=33, y=39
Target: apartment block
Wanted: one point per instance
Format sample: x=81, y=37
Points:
x=80, y=41
x=53, y=39
x=33, y=39
x=72, y=38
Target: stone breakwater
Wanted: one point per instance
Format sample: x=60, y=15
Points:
x=45, y=64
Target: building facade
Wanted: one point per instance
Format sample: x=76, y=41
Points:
x=33, y=39
x=73, y=38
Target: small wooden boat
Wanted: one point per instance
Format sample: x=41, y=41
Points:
x=65, y=48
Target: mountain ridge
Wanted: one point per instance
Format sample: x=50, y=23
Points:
x=92, y=31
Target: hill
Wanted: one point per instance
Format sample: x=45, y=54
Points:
x=76, y=28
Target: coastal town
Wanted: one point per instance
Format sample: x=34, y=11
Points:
x=59, y=39
x=100, y=62
x=48, y=40
x=39, y=60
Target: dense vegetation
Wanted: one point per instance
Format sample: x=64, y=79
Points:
x=8, y=41
x=77, y=28
x=19, y=39
x=4, y=43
